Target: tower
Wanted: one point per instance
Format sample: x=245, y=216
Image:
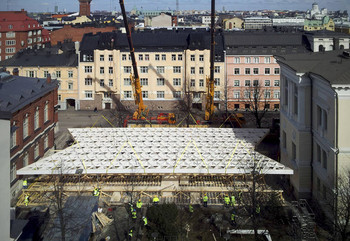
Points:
x=84, y=7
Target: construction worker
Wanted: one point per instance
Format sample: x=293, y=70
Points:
x=96, y=192
x=233, y=218
x=130, y=234
x=190, y=208
x=145, y=222
x=25, y=184
x=134, y=216
x=139, y=204
x=26, y=199
x=257, y=209
x=205, y=200
x=226, y=200
x=131, y=207
x=155, y=199
x=233, y=200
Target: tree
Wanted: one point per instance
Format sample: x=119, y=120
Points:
x=256, y=99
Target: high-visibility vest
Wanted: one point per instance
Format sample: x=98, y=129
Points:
x=96, y=192
x=233, y=216
x=134, y=214
x=205, y=198
x=155, y=199
x=130, y=233
x=227, y=200
x=190, y=208
x=258, y=209
x=25, y=183
x=26, y=198
x=145, y=221
x=139, y=204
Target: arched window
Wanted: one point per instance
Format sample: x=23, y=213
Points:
x=341, y=46
x=230, y=25
x=321, y=48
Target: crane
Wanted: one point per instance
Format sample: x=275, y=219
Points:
x=209, y=107
x=142, y=110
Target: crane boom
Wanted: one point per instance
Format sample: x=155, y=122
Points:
x=209, y=107
x=142, y=111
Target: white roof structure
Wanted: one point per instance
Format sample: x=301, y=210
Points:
x=159, y=151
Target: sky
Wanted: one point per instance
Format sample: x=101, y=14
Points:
x=109, y=5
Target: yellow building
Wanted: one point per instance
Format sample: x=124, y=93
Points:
x=314, y=24
x=233, y=23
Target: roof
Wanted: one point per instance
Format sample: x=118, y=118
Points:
x=159, y=151
x=17, y=21
x=333, y=66
x=326, y=33
x=13, y=98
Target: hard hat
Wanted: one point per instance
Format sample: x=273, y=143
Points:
x=139, y=200
x=205, y=194
x=143, y=216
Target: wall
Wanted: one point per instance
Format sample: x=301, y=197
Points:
x=5, y=180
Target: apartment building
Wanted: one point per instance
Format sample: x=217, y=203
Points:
x=314, y=121
x=31, y=111
x=18, y=31
x=251, y=66
x=324, y=40
x=171, y=64
x=60, y=61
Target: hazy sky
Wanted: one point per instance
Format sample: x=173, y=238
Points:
x=73, y=5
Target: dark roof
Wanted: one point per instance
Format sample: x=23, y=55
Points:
x=63, y=56
x=17, y=92
x=77, y=214
x=334, y=66
x=16, y=227
x=326, y=33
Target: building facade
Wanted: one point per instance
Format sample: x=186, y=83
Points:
x=324, y=40
x=32, y=114
x=233, y=23
x=314, y=122
x=257, y=22
x=326, y=23
x=18, y=31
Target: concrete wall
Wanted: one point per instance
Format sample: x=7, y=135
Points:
x=5, y=180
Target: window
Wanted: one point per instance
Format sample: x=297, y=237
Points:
x=217, y=69
x=127, y=69
x=140, y=56
x=256, y=60
x=294, y=152
x=146, y=57
x=127, y=81
x=277, y=70
x=144, y=69
x=36, y=151
x=25, y=160
x=179, y=57
x=156, y=57
x=13, y=171
x=102, y=82
x=201, y=83
x=70, y=74
x=284, y=139
x=201, y=57
x=160, y=94
x=59, y=97
x=10, y=50
x=46, y=142
x=160, y=69
x=247, y=60
x=110, y=57
x=201, y=70
x=236, y=71
x=267, y=94
x=196, y=95
x=176, y=69
x=70, y=86
x=276, y=94
x=160, y=81
x=88, y=94
x=31, y=73
x=10, y=34
x=324, y=159
x=110, y=70
x=10, y=42
x=193, y=57
x=86, y=57
x=256, y=82
x=322, y=121
x=193, y=70
x=173, y=57
x=13, y=139
x=318, y=153
x=145, y=94
x=123, y=56
x=217, y=81
x=163, y=57
x=237, y=60
x=295, y=100
x=107, y=95
x=267, y=83
x=102, y=57
x=102, y=70
x=256, y=71
x=177, y=94
x=88, y=81
x=286, y=93
x=267, y=60
x=247, y=94
x=29, y=41
x=88, y=69
x=110, y=82
x=59, y=84
x=144, y=81
x=46, y=73
x=236, y=94
x=247, y=71
x=176, y=81
x=276, y=83
x=267, y=70
x=127, y=94
x=236, y=83
x=193, y=83
x=247, y=83
x=217, y=95
x=46, y=112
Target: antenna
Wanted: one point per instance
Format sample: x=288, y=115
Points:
x=177, y=5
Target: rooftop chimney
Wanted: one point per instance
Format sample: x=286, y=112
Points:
x=84, y=8
x=15, y=71
x=48, y=79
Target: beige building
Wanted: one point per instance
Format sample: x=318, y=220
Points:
x=168, y=66
x=314, y=121
x=59, y=61
x=233, y=23
x=163, y=20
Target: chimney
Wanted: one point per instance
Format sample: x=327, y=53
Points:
x=76, y=46
x=84, y=7
x=15, y=71
x=48, y=79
